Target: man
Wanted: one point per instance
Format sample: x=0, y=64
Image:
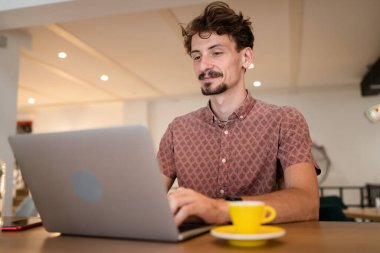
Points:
x=235, y=146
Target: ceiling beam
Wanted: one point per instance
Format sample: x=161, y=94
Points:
x=172, y=21
x=38, y=92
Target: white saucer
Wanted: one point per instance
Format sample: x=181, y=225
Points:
x=265, y=233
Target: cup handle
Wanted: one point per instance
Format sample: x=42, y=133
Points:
x=271, y=216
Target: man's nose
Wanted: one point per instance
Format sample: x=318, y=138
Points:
x=205, y=64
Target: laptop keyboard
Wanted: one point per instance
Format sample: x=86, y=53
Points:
x=189, y=226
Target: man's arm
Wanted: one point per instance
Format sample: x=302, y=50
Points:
x=298, y=201
x=168, y=182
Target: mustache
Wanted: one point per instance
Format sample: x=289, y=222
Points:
x=210, y=73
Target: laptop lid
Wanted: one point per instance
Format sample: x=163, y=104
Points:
x=99, y=182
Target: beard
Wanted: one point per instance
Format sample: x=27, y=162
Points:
x=206, y=88
x=208, y=91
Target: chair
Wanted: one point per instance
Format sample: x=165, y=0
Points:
x=340, y=191
x=331, y=209
x=373, y=192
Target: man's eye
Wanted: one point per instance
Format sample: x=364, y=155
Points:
x=217, y=53
x=196, y=57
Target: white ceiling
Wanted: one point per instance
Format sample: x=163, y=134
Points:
x=297, y=44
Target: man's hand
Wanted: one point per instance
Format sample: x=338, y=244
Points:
x=185, y=203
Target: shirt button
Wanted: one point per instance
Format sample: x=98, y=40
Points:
x=221, y=191
x=226, y=132
x=223, y=160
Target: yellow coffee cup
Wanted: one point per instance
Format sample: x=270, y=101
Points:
x=247, y=216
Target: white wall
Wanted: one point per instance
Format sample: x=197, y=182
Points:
x=335, y=116
x=86, y=116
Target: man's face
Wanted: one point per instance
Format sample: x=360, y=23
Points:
x=217, y=64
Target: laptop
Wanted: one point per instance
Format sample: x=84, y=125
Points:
x=100, y=182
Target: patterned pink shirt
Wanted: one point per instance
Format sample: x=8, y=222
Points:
x=241, y=157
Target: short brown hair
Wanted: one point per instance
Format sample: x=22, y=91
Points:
x=219, y=18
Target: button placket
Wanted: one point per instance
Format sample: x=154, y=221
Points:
x=224, y=160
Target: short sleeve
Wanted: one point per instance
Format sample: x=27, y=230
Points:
x=165, y=155
x=295, y=142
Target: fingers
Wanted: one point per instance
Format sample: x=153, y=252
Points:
x=182, y=204
x=183, y=213
x=179, y=198
x=186, y=202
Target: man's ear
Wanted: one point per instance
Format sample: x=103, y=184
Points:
x=247, y=57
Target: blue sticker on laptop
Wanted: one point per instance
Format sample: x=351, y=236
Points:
x=87, y=186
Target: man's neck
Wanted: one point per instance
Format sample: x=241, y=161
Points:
x=223, y=105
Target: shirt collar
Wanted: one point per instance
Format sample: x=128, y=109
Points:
x=247, y=105
x=240, y=113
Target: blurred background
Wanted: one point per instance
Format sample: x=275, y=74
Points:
x=88, y=64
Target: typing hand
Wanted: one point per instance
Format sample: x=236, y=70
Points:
x=185, y=203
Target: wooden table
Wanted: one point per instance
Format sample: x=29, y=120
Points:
x=300, y=237
x=372, y=214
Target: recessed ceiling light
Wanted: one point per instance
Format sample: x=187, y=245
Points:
x=104, y=78
x=62, y=55
x=257, y=83
x=251, y=66
x=31, y=101
x=373, y=113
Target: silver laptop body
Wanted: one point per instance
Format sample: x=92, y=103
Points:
x=101, y=182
